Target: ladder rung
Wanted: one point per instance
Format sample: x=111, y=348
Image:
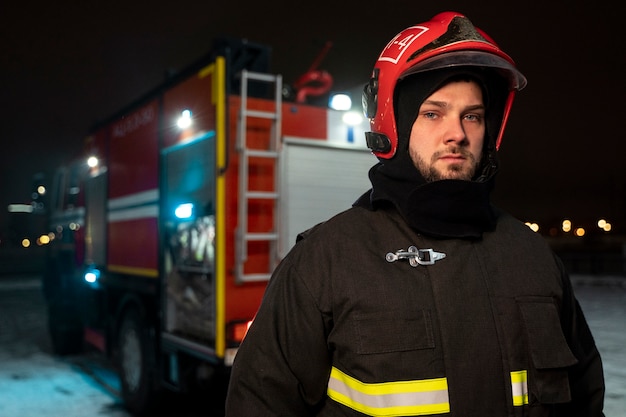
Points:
x=255, y=277
x=261, y=76
x=270, y=195
x=260, y=114
x=261, y=153
x=261, y=236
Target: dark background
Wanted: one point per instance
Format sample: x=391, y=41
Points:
x=66, y=65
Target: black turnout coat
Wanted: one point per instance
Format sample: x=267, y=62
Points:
x=492, y=329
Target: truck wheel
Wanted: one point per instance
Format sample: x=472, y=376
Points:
x=136, y=361
x=65, y=328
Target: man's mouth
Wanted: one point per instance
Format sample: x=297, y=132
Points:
x=452, y=157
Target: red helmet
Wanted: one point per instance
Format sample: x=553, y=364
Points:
x=448, y=40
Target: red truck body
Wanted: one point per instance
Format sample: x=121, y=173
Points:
x=163, y=249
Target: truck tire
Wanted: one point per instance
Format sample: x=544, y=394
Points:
x=137, y=364
x=65, y=329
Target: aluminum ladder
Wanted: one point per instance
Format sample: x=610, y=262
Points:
x=245, y=194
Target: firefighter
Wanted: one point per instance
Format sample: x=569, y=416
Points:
x=424, y=298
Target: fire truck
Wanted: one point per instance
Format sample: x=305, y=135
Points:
x=167, y=227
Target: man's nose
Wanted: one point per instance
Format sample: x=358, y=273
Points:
x=454, y=133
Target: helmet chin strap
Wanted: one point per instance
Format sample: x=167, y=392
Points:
x=490, y=166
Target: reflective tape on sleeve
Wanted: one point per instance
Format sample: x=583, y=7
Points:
x=519, y=386
x=400, y=398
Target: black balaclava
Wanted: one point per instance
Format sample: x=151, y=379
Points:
x=446, y=208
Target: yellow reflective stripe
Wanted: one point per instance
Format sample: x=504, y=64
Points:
x=402, y=398
x=519, y=386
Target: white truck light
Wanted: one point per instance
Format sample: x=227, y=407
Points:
x=184, y=211
x=92, y=275
x=340, y=101
x=92, y=162
x=352, y=118
x=184, y=121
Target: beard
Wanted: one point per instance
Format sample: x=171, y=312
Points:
x=460, y=171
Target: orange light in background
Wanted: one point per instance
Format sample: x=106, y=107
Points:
x=566, y=226
x=604, y=225
x=580, y=232
x=533, y=226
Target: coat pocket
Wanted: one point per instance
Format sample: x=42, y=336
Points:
x=381, y=334
x=549, y=352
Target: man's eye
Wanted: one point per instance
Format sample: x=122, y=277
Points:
x=429, y=115
x=473, y=117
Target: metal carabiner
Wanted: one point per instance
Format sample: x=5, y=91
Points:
x=415, y=256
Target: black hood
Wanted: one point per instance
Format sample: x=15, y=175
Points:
x=446, y=208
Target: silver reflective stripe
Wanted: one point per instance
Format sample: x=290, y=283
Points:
x=519, y=387
x=401, y=398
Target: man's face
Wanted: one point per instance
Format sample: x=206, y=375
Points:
x=447, y=137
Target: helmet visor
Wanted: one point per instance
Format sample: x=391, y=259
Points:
x=516, y=79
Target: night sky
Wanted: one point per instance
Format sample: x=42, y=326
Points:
x=66, y=65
